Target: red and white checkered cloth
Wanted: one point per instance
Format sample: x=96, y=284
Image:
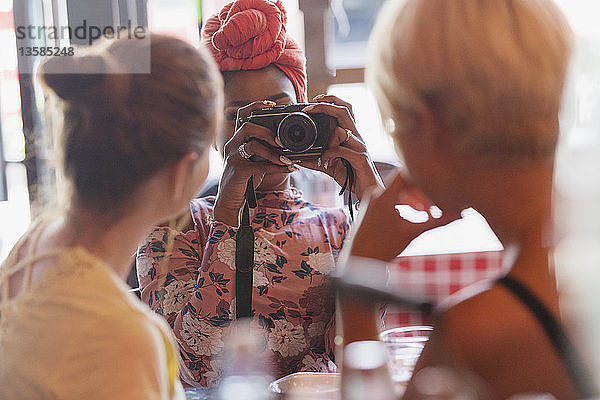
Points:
x=437, y=277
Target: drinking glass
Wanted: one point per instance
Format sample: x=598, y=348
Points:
x=404, y=346
x=365, y=374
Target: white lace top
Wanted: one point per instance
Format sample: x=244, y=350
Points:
x=78, y=333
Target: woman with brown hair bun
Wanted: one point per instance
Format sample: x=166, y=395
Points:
x=134, y=149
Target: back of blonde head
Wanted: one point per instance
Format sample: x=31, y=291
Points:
x=491, y=71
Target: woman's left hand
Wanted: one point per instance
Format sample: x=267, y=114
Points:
x=345, y=143
x=379, y=218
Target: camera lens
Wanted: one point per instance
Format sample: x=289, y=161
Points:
x=297, y=132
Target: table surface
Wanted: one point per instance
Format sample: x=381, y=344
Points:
x=199, y=394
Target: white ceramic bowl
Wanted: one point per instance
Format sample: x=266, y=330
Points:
x=308, y=385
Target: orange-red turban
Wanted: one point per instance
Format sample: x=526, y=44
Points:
x=251, y=34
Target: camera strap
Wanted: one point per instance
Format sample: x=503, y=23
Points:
x=244, y=244
x=348, y=186
x=244, y=256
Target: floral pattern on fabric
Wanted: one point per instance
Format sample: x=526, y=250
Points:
x=296, y=246
x=177, y=294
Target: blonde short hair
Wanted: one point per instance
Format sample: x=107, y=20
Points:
x=491, y=71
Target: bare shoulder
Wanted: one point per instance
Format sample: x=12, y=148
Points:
x=472, y=324
x=490, y=333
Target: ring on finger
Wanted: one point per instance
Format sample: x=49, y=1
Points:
x=243, y=152
x=348, y=133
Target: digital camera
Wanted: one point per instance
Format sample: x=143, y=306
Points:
x=301, y=135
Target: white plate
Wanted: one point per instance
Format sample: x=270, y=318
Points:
x=313, y=385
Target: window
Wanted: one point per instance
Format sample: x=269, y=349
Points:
x=180, y=18
x=577, y=175
x=14, y=212
x=28, y=176
x=576, y=257
x=353, y=21
x=379, y=143
x=177, y=18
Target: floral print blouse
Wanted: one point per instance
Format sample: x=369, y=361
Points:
x=296, y=246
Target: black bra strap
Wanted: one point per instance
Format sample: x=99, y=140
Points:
x=578, y=372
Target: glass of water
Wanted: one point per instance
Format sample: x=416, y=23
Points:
x=404, y=346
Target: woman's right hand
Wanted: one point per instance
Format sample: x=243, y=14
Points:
x=266, y=158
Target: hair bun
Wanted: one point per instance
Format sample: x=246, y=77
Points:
x=72, y=78
x=89, y=80
x=250, y=31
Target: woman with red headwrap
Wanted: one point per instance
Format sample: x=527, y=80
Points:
x=191, y=280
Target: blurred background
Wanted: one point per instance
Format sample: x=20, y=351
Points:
x=336, y=48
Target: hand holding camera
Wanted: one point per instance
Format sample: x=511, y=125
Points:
x=270, y=138
x=345, y=142
x=251, y=151
x=319, y=135
x=380, y=218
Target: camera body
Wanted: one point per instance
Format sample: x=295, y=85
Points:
x=301, y=135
